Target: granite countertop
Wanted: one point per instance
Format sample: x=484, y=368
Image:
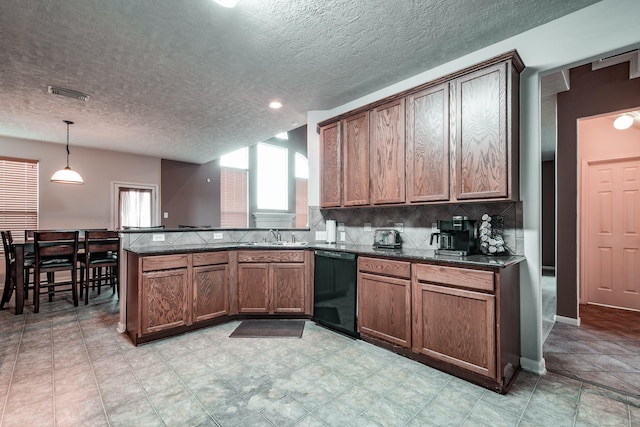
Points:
x=412, y=254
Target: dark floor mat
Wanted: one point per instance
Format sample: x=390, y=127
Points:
x=269, y=329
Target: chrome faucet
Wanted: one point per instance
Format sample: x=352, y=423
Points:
x=276, y=234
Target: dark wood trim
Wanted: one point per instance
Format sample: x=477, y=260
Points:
x=512, y=56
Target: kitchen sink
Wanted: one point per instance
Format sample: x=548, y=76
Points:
x=274, y=244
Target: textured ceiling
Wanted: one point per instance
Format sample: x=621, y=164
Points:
x=190, y=80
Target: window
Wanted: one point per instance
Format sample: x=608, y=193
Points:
x=273, y=176
x=18, y=195
x=234, y=191
x=302, y=179
x=135, y=207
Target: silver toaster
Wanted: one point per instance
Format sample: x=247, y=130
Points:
x=387, y=239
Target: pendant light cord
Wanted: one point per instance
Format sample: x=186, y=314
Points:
x=68, y=123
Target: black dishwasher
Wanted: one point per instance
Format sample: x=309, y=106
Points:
x=334, y=292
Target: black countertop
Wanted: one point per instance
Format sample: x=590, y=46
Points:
x=411, y=254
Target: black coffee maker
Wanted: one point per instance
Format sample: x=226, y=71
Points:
x=458, y=236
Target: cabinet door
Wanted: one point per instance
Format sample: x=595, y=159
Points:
x=355, y=167
x=288, y=288
x=384, y=308
x=428, y=145
x=164, y=300
x=455, y=326
x=387, y=145
x=481, y=134
x=210, y=292
x=253, y=288
x=330, y=166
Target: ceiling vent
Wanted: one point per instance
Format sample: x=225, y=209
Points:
x=68, y=93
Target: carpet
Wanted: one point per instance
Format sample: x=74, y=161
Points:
x=264, y=328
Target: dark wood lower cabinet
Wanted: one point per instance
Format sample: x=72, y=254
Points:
x=210, y=286
x=469, y=320
x=456, y=326
x=164, y=300
x=274, y=282
x=384, y=300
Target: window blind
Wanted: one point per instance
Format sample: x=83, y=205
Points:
x=18, y=195
x=234, y=198
x=302, y=206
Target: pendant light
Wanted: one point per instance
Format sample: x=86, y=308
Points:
x=66, y=175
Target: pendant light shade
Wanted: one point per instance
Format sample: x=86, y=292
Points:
x=66, y=175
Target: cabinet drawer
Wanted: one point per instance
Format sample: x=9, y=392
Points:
x=271, y=256
x=210, y=258
x=164, y=262
x=474, y=279
x=385, y=267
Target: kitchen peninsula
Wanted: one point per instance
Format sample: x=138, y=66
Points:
x=459, y=314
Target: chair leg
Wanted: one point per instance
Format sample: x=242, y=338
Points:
x=85, y=279
x=36, y=291
x=81, y=280
x=74, y=287
x=8, y=290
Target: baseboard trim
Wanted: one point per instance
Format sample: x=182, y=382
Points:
x=537, y=367
x=568, y=320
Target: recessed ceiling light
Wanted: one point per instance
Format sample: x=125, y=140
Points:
x=623, y=122
x=227, y=3
x=275, y=105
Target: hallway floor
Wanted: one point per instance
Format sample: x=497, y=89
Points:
x=605, y=349
x=68, y=366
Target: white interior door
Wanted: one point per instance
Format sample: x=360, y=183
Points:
x=612, y=251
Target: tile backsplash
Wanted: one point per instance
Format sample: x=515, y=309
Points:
x=416, y=226
x=417, y=221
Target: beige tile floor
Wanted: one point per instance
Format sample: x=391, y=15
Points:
x=68, y=366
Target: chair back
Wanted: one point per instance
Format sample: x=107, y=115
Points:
x=55, y=248
x=101, y=246
x=7, y=240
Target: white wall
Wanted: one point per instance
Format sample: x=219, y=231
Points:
x=607, y=27
x=80, y=206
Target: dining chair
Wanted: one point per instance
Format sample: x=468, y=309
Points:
x=101, y=250
x=55, y=251
x=10, y=269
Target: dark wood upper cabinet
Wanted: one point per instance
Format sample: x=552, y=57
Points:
x=454, y=139
x=355, y=167
x=330, y=165
x=481, y=138
x=387, y=146
x=427, y=145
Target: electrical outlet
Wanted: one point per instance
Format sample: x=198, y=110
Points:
x=341, y=226
x=367, y=226
x=218, y=236
x=343, y=236
x=321, y=235
x=399, y=226
x=166, y=215
x=158, y=237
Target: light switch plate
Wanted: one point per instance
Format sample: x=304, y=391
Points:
x=166, y=215
x=321, y=235
x=158, y=237
x=367, y=226
x=218, y=236
x=343, y=236
x=399, y=226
